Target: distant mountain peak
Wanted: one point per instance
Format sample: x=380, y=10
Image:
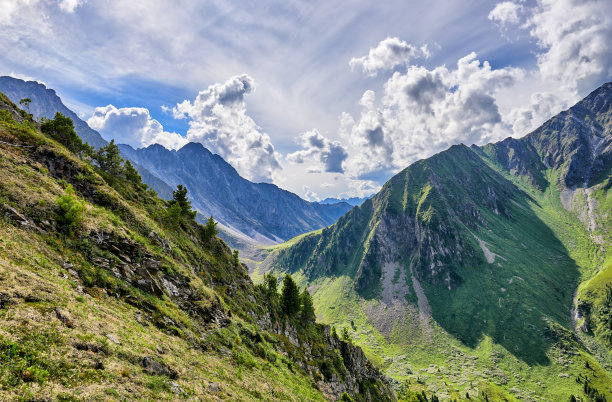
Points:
x=45, y=103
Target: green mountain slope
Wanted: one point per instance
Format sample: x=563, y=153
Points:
x=471, y=259
x=106, y=295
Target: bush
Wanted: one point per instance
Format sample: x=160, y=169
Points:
x=72, y=211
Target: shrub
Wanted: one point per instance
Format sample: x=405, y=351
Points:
x=72, y=211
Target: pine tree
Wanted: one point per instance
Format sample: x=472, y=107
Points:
x=346, y=337
x=26, y=102
x=131, y=174
x=179, y=197
x=61, y=129
x=109, y=159
x=290, y=298
x=308, y=312
x=271, y=288
x=209, y=230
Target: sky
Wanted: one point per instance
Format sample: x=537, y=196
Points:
x=323, y=98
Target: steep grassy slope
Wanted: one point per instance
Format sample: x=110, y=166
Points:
x=102, y=297
x=469, y=261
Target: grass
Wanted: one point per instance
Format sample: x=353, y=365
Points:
x=94, y=347
x=503, y=328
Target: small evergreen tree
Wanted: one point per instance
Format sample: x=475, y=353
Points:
x=173, y=215
x=308, y=312
x=236, y=257
x=290, y=298
x=209, y=230
x=179, y=197
x=72, y=211
x=131, y=174
x=61, y=129
x=109, y=159
x=346, y=337
x=271, y=288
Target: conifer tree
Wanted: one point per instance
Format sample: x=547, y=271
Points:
x=131, y=174
x=179, y=197
x=209, y=230
x=308, y=312
x=61, y=129
x=290, y=298
x=109, y=159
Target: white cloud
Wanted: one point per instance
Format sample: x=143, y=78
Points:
x=506, y=12
x=541, y=107
x=218, y=119
x=309, y=194
x=133, y=126
x=389, y=53
x=320, y=150
x=424, y=111
x=575, y=40
x=70, y=5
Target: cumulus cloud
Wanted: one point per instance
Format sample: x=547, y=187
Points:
x=506, y=12
x=316, y=148
x=541, y=107
x=575, y=40
x=70, y=5
x=389, y=53
x=424, y=111
x=218, y=119
x=133, y=126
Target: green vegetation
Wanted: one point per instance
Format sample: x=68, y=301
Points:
x=61, y=129
x=290, y=297
x=460, y=274
x=103, y=299
x=72, y=211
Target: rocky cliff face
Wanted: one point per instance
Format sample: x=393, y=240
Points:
x=262, y=211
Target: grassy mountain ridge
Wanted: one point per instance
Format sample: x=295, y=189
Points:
x=480, y=250
x=103, y=297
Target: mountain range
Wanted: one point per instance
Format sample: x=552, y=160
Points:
x=246, y=211
x=261, y=211
x=480, y=269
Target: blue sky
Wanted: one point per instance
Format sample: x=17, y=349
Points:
x=323, y=98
